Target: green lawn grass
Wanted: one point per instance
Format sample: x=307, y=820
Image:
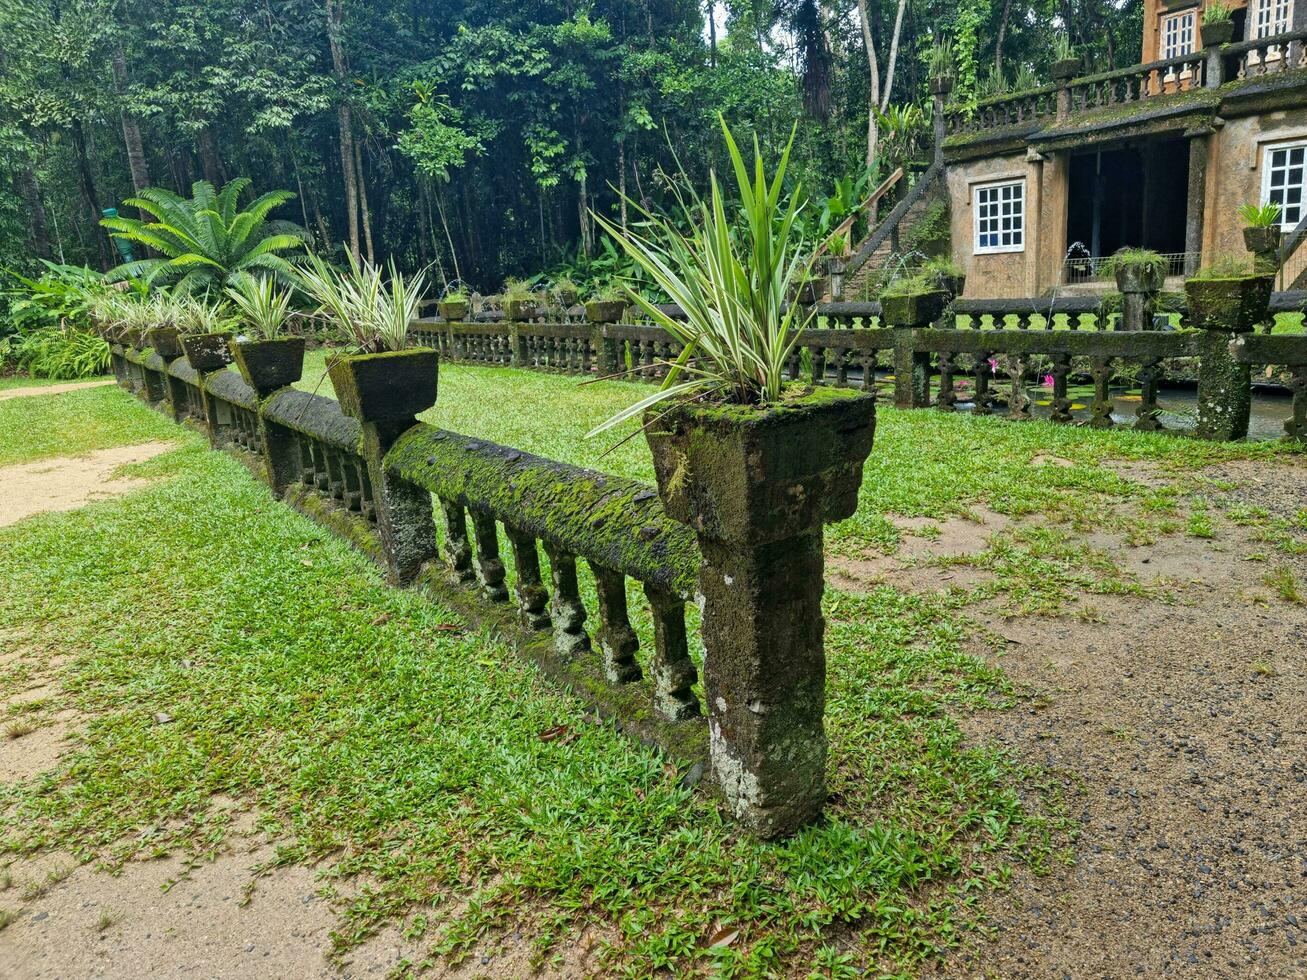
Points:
x=75, y=422
x=383, y=743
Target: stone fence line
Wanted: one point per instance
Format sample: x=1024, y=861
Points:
x=1001, y=347
x=365, y=468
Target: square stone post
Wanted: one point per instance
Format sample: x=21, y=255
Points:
x=1195, y=213
x=756, y=486
x=268, y=367
x=386, y=392
x=911, y=370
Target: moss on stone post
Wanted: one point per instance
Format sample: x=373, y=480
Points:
x=269, y=366
x=756, y=486
x=385, y=392
x=1224, y=388
x=1224, y=309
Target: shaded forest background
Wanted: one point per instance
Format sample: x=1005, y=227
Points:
x=475, y=136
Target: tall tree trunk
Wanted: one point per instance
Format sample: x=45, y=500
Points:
x=89, y=195
x=621, y=180
x=210, y=160
x=877, y=102
x=30, y=191
x=363, y=199
x=136, y=162
x=1002, y=36
x=345, y=123
x=712, y=33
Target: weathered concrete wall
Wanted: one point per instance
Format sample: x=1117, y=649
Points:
x=1234, y=174
x=1025, y=273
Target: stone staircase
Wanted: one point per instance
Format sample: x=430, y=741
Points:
x=901, y=232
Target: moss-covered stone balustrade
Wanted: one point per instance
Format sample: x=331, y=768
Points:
x=372, y=475
x=1000, y=346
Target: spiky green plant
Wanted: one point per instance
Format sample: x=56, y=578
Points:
x=263, y=305
x=1260, y=215
x=731, y=283
x=373, y=313
x=206, y=240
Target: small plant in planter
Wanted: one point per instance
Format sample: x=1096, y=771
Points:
x=517, y=300
x=165, y=313
x=913, y=301
x=455, y=304
x=266, y=359
x=1137, y=270
x=565, y=292
x=754, y=466
x=940, y=64
x=205, y=328
x=1228, y=295
x=385, y=382
x=1261, y=233
x=946, y=274
x=606, y=304
x=1066, y=63
x=1218, y=25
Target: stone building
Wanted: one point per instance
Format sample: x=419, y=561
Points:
x=1040, y=185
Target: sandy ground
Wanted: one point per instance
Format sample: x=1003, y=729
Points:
x=69, y=482
x=1178, y=729
x=54, y=389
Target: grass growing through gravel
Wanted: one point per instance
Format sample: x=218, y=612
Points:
x=222, y=644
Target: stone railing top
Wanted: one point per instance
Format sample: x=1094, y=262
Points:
x=614, y=522
x=231, y=387
x=315, y=416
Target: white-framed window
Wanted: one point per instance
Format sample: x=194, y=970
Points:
x=1284, y=180
x=1000, y=217
x=1178, y=34
x=1271, y=17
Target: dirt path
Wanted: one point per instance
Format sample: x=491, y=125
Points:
x=1178, y=726
x=69, y=482
x=57, y=389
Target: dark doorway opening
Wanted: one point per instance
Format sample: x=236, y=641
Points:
x=1132, y=196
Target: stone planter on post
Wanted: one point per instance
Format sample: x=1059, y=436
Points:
x=206, y=353
x=756, y=485
x=611, y=351
x=1264, y=243
x=268, y=366
x=1140, y=286
x=906, y=313
x=1223, y=309
x=385, y=392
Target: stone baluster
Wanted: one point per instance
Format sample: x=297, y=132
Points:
x=984, y=371
x=458, y=549
x=1100, y=369
x=1295, y=427
x=617, y=640
x=568, y=610
x=673, y=671
x=489, y=567
x=1018, y=405
x=532, y=596
x=947, y=399
x=1061, y=403
x=1148, y=412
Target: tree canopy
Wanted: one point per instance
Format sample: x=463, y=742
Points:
x=474, y=136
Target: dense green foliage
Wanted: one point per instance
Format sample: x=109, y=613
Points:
x=476, y=135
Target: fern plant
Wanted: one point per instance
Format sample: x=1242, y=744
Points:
x=204, y=241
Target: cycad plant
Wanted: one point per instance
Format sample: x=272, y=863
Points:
x=207, y=240
x=732, y=277
x=263, y=305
